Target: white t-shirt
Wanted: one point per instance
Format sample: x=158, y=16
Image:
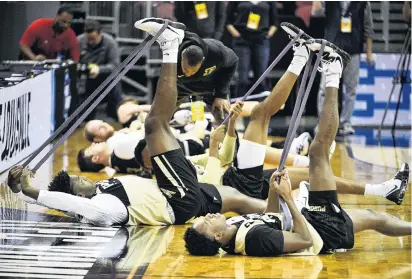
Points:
x=93, y=211
x=124, y=144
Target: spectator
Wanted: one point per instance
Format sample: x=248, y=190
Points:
x=99, y=56
x=205, y=18
x=304, y=11
x=252, y=24
x=47, y=38
x=348, y=25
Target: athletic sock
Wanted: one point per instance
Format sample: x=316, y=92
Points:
x=332, y=80
x=333, y=72
x=383, y=189
x=301, y=161
x=170, y=51
x=297, y=64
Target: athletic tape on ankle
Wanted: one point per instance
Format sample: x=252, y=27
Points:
x=263, y=76
x=134, y=57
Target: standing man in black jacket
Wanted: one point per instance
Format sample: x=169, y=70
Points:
x=205, y=18
x=205, y=70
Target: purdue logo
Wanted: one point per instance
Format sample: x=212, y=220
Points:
x=208, y=71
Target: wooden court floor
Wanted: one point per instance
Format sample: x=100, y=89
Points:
x=39, y=243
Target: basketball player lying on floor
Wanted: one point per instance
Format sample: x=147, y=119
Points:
x=118, y=151
x=130, y=113
x=320, y=226
x=248, y=176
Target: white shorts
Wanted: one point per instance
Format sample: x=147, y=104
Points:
x=250, y=154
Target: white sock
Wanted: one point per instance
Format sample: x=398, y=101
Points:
x=170, y=52
x=301, y=161
x=382, y=189
x=297, y=64
x=332, y=80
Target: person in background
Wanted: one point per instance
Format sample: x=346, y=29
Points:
x=348, y=25
x=205, y=18
x=100, y=55
x=48, y=38
x=205, y=69
x=304, y=11
x=251, y=24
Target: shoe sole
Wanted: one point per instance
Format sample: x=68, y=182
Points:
x=404, y=173
x=330, y=47
x=174, y=24
x=293, y=31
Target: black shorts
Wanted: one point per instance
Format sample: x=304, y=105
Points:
x=211, y=199
x=267, y=174
x=247, y=181
x=177, y=179
x=191, y=147
x=331, y=222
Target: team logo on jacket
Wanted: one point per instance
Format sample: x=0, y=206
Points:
x=210, y=70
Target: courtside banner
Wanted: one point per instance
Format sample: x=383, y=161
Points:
x=375, y=85
x=25, y=118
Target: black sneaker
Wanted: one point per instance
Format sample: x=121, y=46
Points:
x=151, y=25
x=293, y=31
x=397, y=194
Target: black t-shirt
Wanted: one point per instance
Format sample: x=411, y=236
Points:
x=125, y=165
x=191, y=147
x=214, y=76
x=258, y=235
x=114, y=187
x=238, y=14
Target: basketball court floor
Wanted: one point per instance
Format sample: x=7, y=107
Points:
x=36, y=242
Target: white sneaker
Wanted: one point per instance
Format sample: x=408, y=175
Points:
x=331, y=64
x=300, y=145
x=183, y=117
x=300, y=49
x=333, y=59
x=151, y=25
x=293, y=31
x=302, y=201
x=399, y=183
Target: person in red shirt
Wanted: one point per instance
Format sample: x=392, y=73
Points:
x=45, y=38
